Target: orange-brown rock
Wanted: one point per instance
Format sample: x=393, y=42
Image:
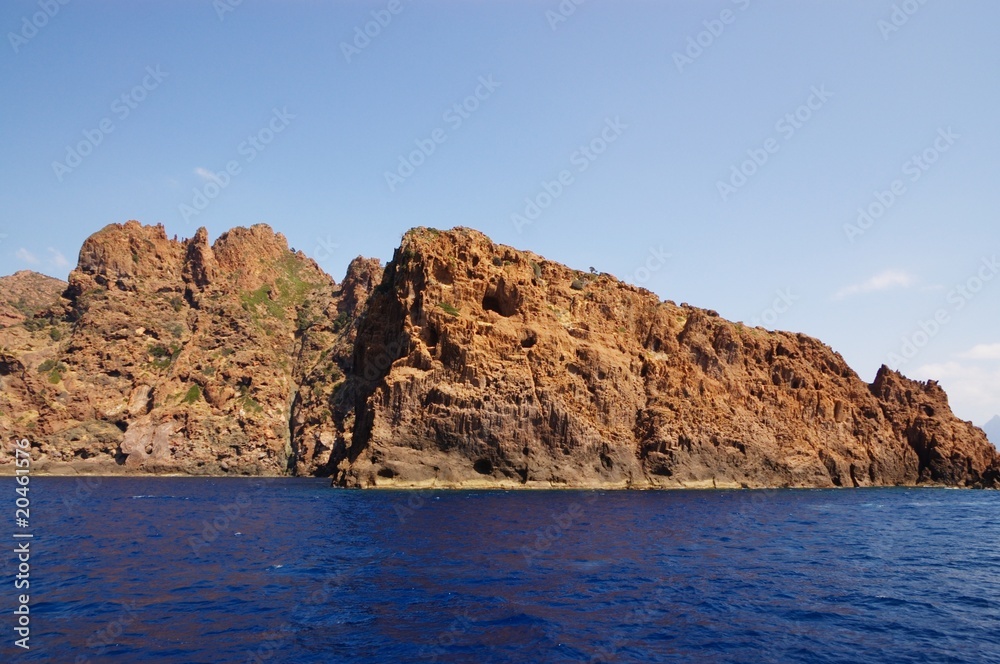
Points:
x=170, y=356
x=25, y=293
x=462, y=363
x=480, y=365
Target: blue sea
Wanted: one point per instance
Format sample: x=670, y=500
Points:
x=290, y=570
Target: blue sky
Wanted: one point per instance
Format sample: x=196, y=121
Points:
x=717, y=153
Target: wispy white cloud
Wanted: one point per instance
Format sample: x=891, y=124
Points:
x=53, y=258
x=973, y=387
x=56, y=258
x=206, y=174
x=885, y=280
x=26, y=256
x=982, y=352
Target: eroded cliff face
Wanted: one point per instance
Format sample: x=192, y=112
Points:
x=173, y=356
x=480, y=365
x=460, y=364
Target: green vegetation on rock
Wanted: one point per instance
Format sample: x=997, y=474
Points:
x=193, y=394
x=448, y=308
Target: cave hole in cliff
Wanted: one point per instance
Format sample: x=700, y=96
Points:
x=490, y=303
x=528, y=339
x=483, y=467
x=190, y=298
x=431, y=336
x=387, y=473
x=122, y=425
x=500, y=299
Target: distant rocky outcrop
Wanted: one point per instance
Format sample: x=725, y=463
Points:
x=461, y=363
x=24, y=294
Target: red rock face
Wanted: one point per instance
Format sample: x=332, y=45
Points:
x=949, y=450
x=479, y=365
x=172, y=356
x=461, y=364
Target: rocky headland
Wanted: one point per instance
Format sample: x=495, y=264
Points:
x=461, y=363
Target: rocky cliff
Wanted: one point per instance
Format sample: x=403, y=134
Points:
x=461, y=364
x=175, y=356
x=480, y=365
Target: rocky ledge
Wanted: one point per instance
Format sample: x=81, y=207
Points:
x=462, y=363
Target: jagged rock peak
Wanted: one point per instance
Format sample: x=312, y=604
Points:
x=363, y=275
x=120, y=254
x=200, y=265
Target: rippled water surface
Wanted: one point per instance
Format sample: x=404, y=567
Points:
x=240, y=570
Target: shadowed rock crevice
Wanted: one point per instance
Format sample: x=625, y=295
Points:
x=380, y=342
